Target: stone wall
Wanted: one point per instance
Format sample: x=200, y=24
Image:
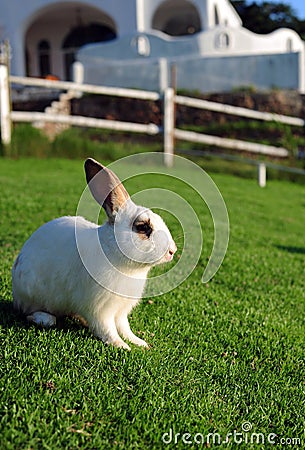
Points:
x=114, y=108
x=280, y=102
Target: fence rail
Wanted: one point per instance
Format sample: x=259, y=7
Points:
x=238, y=111
x=86, y=88
x=169, y=130
x=82, y=121
x=236, y=144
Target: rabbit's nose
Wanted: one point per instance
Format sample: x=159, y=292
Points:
x=172, y=249
x=170, y=252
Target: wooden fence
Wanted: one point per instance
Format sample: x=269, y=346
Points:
x=169, y=130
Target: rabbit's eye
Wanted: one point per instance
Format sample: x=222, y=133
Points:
x=143, y=228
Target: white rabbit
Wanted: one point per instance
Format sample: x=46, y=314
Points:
x=73, y=267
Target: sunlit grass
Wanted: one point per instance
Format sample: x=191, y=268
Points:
x=222, y=354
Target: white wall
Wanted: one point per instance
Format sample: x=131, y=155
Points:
x=228, y=39
x=243, y=41
x=208, y=43
x=206, y=74
x=250, y=59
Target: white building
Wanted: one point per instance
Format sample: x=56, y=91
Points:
x=134, y=38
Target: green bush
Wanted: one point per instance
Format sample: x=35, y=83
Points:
x=73, y=145
x=28, y=141
x=99, y=144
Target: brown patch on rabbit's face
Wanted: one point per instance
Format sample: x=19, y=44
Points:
x=115, y=200
x=143, y=228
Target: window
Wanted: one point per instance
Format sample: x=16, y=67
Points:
x=216, y=15
x=44, y=63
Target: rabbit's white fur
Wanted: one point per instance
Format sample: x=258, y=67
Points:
x=51, y=278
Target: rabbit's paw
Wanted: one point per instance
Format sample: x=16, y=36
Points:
x=118, y=344
x=137, y=341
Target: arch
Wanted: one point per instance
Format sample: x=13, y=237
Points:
x=141, y=45
x=177, y=18
x=222, y=41
x=66, y=26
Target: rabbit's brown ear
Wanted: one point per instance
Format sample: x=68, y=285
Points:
x=105, y=187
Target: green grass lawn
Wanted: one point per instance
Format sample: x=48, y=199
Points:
x=224, y=355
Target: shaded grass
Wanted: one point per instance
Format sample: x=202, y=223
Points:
x=75, y=143
x=79, y=143
x=270, y=133
x=222, y=354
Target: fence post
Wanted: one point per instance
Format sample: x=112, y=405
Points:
x=78, y=76
x=5, y=109
x=169, y=126
x=163, y=74
x=262, y=175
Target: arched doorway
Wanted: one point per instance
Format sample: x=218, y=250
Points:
x=82, y=35
x=177, y=18
x=57, y=31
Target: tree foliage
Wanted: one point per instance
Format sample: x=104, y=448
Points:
x=266, y=17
